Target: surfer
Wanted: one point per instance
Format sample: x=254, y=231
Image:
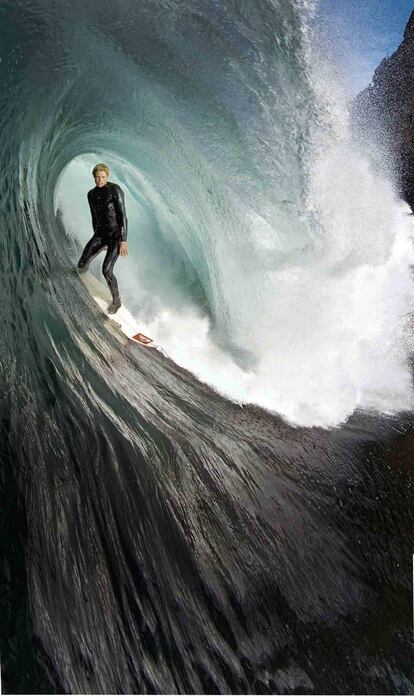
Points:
x=110, y=228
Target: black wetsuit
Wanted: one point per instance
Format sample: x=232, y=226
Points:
x=110, y=228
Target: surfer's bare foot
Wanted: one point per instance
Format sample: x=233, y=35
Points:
x=115, y=305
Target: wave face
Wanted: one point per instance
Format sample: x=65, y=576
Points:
x=176, y=541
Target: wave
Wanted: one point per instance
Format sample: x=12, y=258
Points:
x=177, y=541
x=261, y=240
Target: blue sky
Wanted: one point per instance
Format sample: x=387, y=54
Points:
x=361, y=33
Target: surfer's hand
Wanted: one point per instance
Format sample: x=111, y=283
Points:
x=123, y=249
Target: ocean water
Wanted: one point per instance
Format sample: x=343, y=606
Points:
x=233, y=515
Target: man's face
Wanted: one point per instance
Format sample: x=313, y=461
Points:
x=101, y=178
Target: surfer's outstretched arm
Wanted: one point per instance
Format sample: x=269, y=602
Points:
x=122, y=218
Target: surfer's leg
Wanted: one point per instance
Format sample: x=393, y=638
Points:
x=111, y=256
x=92, y=248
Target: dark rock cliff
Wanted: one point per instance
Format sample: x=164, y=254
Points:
x=383, y=114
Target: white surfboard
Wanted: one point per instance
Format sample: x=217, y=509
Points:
x=123, y=318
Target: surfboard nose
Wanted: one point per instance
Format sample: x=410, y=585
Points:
x=139, y=337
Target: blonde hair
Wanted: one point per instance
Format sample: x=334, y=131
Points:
x=100, y=166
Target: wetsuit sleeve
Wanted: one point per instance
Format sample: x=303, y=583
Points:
x=123, y=221
x=93, y=213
